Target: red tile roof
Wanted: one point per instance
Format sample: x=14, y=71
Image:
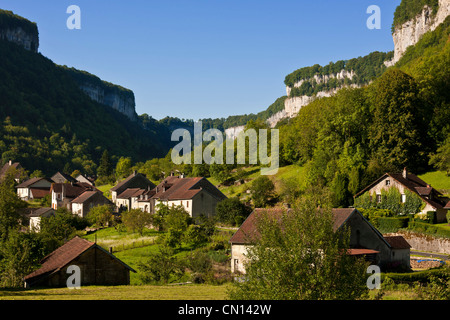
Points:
x=71, y=190
x=397, y=242
x=85, y=196
x=61, y=257
x=129, y=193
x=39, y=193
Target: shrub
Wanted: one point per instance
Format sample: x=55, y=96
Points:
x=392, y=224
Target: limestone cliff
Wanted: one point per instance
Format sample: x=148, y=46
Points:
x=410, y=32
x=108, y=94
x=19, y=30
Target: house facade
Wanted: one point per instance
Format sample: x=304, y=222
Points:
x=196, y=195
x=88, y=200
x=431, y=198
x=63, y=194
x=36, y=215
x=365, y=240
x=34, y=188
x=134, y=181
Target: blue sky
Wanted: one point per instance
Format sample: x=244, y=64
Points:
x=197, y=59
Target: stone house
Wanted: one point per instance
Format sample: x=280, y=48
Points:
x=365, y=240
x=20, y=174
x=63, y=194
x=431, y=198
x=34, y=188
x=134, y=181
x=97, y=266
x=36, y=215
x=82, y=204
x=61, y=177
x=196, y=195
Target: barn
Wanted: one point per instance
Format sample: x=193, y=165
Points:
x=97, y=266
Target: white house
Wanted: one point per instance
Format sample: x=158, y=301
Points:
x=34, y=188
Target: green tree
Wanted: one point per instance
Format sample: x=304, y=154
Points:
x=161, y=267
x=9, y=204
x=136, y=220
x=20, y=254
x=123, y=167
x=101, y=216
x=232, y=211
x=105, y=169
x=262, y=190
x=298, y=255
x=441, y=159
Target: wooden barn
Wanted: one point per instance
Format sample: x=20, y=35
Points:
x=97, y=266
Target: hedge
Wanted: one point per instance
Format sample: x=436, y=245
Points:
x=432, y=229
x=392, y=224
x=418, y=276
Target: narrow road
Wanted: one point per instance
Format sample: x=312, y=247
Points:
x=432, y=255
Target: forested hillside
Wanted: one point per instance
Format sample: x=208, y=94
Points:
x=347, y=140
x=48, y=123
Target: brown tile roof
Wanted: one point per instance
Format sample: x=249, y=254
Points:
x=357, y=252
x=447, y=206
x=39, y=193
x=7, y=166
x=71, y=190
x=176, y=188
x=62, y=256
x=41, y=211
x=61, y=177
x=129, y=193
x=30, y=182
x=129, y=180
x=247, y=231
x=340, y=216
x=397, y=242
x=85, y=196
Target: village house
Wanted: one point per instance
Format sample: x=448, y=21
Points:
x=63, y=194
x=97, y=266
x=20, y=174
x=36, y=215
x=196, y=195
x=61, y=177
x=82, y=204
x=134, y=181
x=84, y=179
x=365, y=240
x=127, y=200
x=34, y=188
x=431, y=198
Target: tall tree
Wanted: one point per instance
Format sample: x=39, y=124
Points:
x=297, y=256
x=105, y=168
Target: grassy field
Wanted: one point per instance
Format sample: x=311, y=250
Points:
x=147, y=292
x=438, y=180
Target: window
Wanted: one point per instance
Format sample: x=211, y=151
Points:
x=187, y=204
x=378, y=198
x=403, y=198
x=388, y=182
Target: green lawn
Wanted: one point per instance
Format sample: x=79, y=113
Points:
x=147, y=292
x=438, y=180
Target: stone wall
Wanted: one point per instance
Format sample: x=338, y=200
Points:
x=427, y=243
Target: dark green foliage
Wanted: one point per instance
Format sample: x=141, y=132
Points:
x=262, y=190
x=409, y=9
x=424, y=227
x=9, y=20
x=391, y=224
x=161, y=267
x=232, y=211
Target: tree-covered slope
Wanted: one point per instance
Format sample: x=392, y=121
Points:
x=48, y=123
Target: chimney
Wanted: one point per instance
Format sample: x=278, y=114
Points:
x=405, y=173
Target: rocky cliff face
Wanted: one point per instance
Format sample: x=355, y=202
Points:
x=409, y=33
x=122, y=101
x=29, y=41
